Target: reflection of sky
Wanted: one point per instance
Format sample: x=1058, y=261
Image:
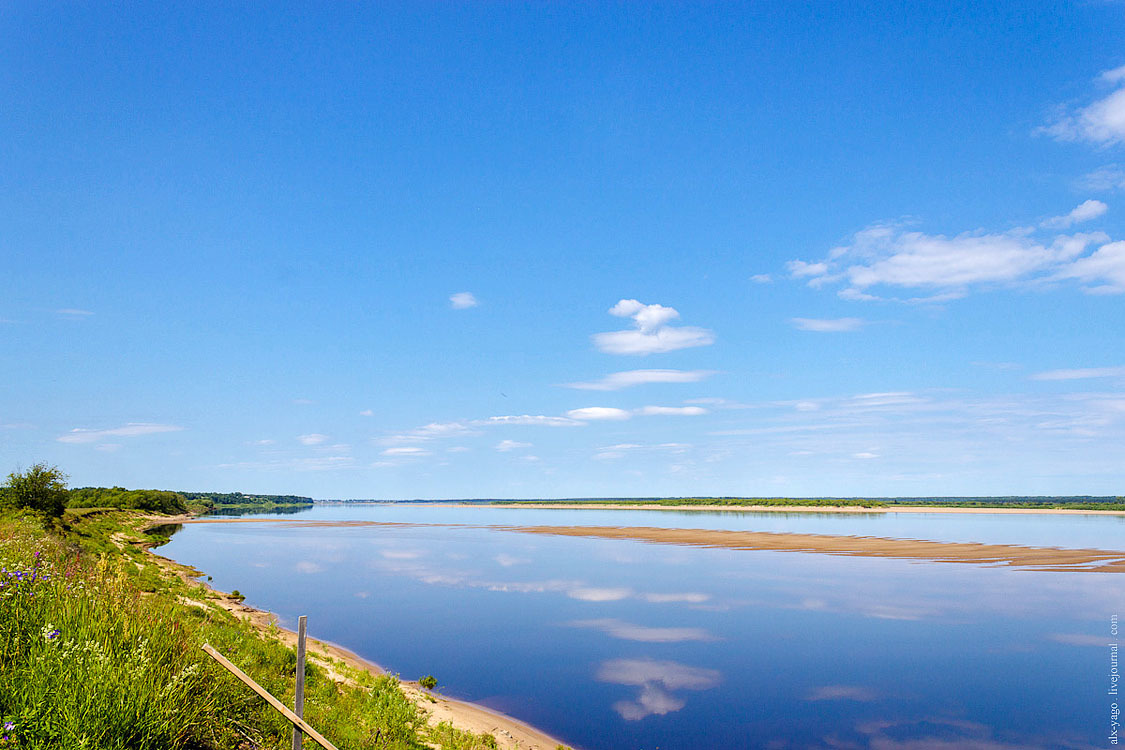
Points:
x=1050, y=530
x=619, y=644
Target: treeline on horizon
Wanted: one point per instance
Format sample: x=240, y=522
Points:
x=172, y=502
x=1069, y=502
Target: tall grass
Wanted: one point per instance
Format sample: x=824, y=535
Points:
x=89, y=659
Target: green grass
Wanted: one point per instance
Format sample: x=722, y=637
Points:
x=98, y=651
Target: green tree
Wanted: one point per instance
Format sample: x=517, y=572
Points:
x=41, y=488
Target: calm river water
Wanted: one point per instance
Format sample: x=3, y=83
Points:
x=621, y=644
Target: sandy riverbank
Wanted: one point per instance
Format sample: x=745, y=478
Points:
x=510, y=733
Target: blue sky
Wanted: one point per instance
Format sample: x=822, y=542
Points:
x=517, y=250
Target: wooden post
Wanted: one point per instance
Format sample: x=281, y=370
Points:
x=281, y=708
x=299, y=699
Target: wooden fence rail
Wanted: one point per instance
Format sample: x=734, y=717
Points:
x=284, y=710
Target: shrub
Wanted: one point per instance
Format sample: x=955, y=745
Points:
x=41, y=488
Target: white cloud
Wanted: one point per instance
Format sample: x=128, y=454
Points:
x=71, y=312
x=458, y=449
x=889, y=255
x=531, y=420
x=1109, y=177
x=367, y=413
x=510, y=445
x=591, y=413
x=1101, y=122
x=431, y=431
x=618, y=380
x=406, y=450
x=799, y=269
x=832, y=325
x=1105, y=268
x=628, y=631
x=313, y=438
x=651, y=333
x=865, y=455
x=133, y=429
x=462, y=301
x=671, y=411
x=761, y=278
x=1085, y=211
x=1080, y=374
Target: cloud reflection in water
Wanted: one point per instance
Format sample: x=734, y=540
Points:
x=657, y=680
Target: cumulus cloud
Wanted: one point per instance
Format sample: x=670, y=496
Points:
x=829, y=325
x=1102, y=122
x=651, y=333
x=890, y=255
x=595, y=413
x=629, y=378
x=462, y=301
x=761, y=278
x=1104, y=269
x=133, y=429
x=1085, y=211
x=510, y=445
x=314, y=438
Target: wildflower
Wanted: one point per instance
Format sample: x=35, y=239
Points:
x=50, y=632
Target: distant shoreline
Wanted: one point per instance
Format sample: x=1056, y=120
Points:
x=786, y=508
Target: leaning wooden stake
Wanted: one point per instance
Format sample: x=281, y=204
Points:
x=299, y=698
x=296, y=720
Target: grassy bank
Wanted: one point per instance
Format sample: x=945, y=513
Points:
x=100, y=648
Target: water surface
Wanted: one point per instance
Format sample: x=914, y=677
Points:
x=623, y=644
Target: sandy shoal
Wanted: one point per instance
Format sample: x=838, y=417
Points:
x=1039, y=558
